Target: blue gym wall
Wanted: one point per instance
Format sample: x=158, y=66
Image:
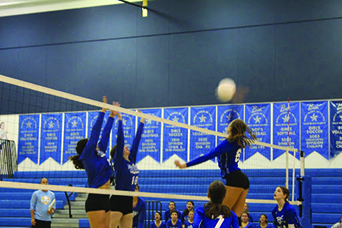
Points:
x=178, y=54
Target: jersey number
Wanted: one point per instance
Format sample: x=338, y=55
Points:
x=134, y=180
x=238, y=154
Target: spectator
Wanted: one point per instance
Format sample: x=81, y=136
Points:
x=245, y=223
x=246, y=208
x=174, y=222
x=189, y=223
x=42, y=207
x=189, y=206
x=158, y=223
x=263, y=222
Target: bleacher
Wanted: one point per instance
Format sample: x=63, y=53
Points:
x=326, y=193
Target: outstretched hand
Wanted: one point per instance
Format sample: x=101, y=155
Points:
x=113, y=112
x=179, y=165
x=104, y=99
x=142, y=120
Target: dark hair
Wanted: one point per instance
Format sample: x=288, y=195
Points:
x=159, y=214
x=77, y=163
x=173, y=203
x=238, y=130
x=81, y=145
x=265, y=217
x=285, y=192
x=174, y=211
x=245, y=212
x=112, y=151
x=213, y=209
x=186, y=211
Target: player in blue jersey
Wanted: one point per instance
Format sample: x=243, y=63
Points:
x=245, y=222
x=174, y=222
x=228, y=153
x=190, y=221
x=284, y=214
x=158, y=223
x=91, y=156
x=214, y=213
x=126, y=176
x=139, y=210
x=263, y=222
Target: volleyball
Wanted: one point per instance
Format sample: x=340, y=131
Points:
x=226, y=90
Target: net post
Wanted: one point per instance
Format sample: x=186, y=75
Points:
x=304, y=189
x=287, y=169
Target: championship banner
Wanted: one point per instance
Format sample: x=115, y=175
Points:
x=175, y=139
x=74, y=130
x=92, y=117
x=28, y=138
x=201, y=143
x=225, y=115
x=51, y=137
x=151, y=138
x=285, y=126
x=335, y=128
x=258, y=118
x=129, y=129
x=314, y=128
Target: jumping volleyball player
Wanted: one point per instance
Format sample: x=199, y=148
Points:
x=126, y=176
x=228, y=153
x=91, y=156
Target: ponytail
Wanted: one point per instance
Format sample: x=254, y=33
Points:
x=213, y=210
x=77, y=163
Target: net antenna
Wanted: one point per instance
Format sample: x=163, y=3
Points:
x=144, y=9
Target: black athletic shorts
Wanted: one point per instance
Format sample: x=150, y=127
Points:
x=97, y=202
x=42, y=224
x=123, y=204
x=237, y=179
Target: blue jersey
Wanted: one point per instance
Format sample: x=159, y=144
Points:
x=139, y=213
x=249, y=225
x=96, y=163
x=286, y=216
x=178, y=224
x=268, y=226
x=162, y=225
x=202, y=221
x=40, y=202
x=228, y=154
x=188, y=224
x=126, y=172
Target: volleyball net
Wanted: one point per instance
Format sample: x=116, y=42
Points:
x=43, y=126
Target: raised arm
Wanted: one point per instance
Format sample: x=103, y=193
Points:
x=136, y=141
x=120, y=140
x=95, y=134
x=103, y=144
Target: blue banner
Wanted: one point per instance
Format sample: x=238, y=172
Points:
x=51, y=135
x=74, y=130
x=314, y=128
x=225, y=115
x=201, y=143
x=151, y=137
x=335, y=128
x=128, y=124
x=285, y=126
x=175, y=139
x=92, y=117
x=28, y=138
x=258, y=118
